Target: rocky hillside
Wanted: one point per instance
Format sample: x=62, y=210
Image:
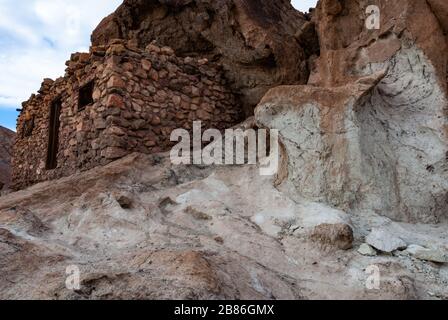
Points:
x=6, y=141
x=142, y=228
x=362, y=186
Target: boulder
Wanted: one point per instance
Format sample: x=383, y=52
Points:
x=429, y=254
x=367, y=250
x=384, y=241
x=337, y=235
x=325, y=226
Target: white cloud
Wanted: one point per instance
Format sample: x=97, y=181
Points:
x=38, y=36
x=304, y=5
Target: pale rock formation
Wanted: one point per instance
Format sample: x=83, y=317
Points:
x=190, y=234
x=384, y=241
x=367, y=250
x=370, y=131
x=435, y=255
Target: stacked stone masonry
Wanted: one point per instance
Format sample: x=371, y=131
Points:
x=139, y=97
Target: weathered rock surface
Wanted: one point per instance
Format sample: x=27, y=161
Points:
x=369, y=132
x=430, y=254
x=367, y=250
x=338, y=235
x=260, y=43
x=190, y=233
x=384, y=241
x=6, y=141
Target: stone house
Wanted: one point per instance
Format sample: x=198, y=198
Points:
x=113, y=101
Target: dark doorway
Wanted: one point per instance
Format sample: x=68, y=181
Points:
x=53, y=135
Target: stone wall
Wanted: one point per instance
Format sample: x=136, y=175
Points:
x=139, y=97
x=6, y=140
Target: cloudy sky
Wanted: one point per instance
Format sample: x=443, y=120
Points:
x=38, y=36
x=304, y=5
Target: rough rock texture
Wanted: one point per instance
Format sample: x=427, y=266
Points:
x=384, y=241
x=338, y=235
x=440, y=9
x=6, y=141
x=193, y=232
x=367, y=250
x=370, y=131
x=260, y=43
x=439, y=255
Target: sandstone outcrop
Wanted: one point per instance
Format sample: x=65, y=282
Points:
x=261, y=44
x=369, y=132
x=6, y=141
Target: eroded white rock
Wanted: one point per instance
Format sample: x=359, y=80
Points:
x=367, y=250
x=428, y=254
x=384, y=241
x=378, y=143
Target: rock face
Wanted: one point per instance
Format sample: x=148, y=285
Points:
x=260, y=43
x=370, y=131
x=6, y=141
